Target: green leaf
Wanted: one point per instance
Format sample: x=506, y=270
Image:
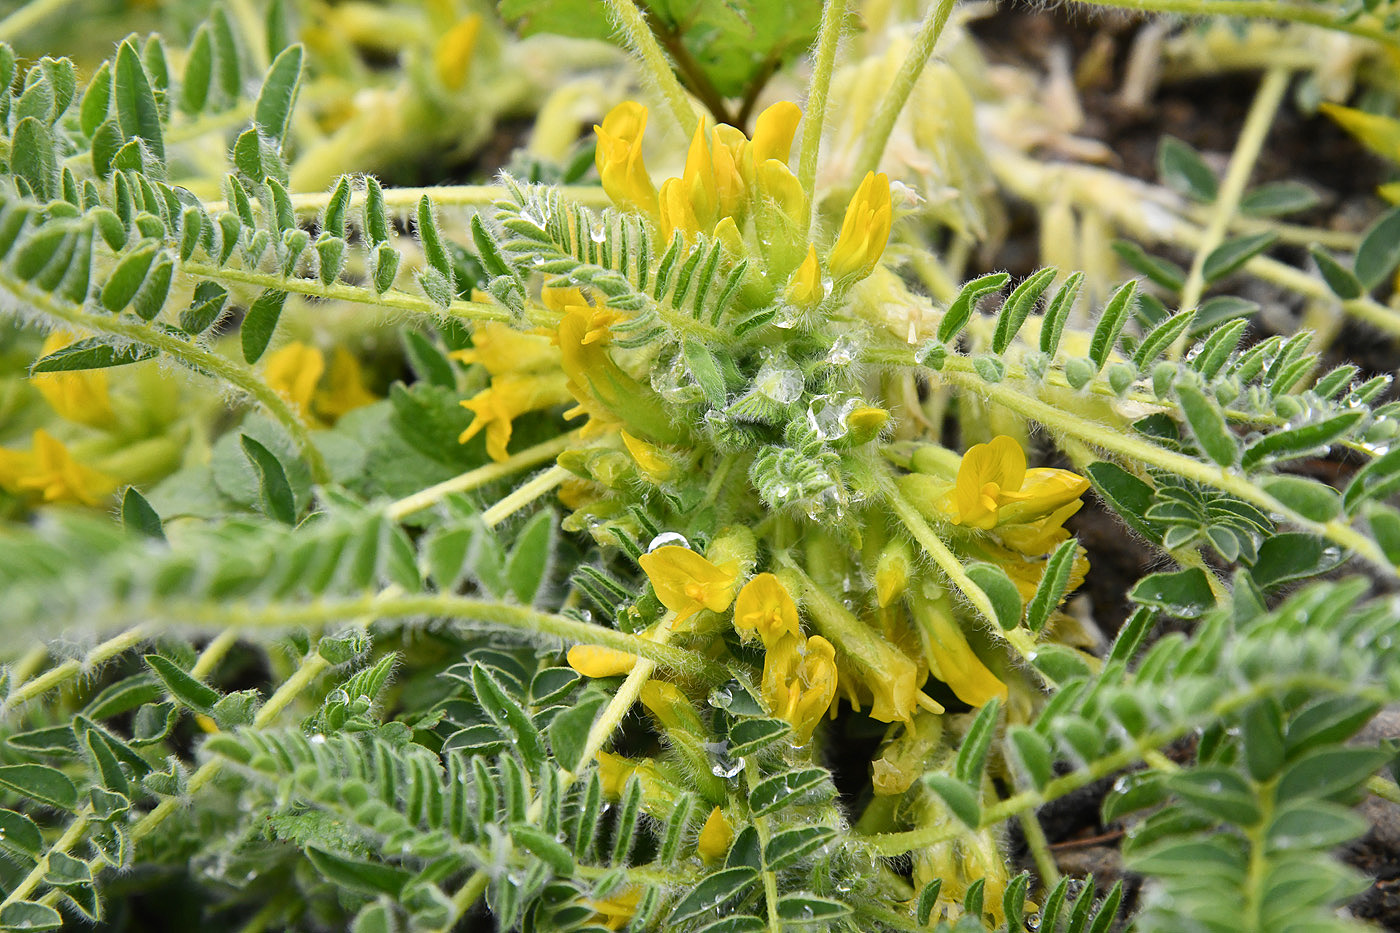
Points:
x=1278, y=198
x=1183, y=169
x=569, y=730
x=529, y=562
x=1185, y=594
x=705, y=371
x=127, y=277
x=137, y=112
x=1314, y=501
x=1261, y=728
x=506, y=713
x=1312, y=824
x=1379, y=252
x=1325, y=772
x=260, y=323
x=789, y=846
x=809, y=908
x=205, y=307
x=543, y=845
x=33, y=157
x=928, y=900
x=1161, y=337
x=1164, y=272
x=1053, y=584
x=778, y=791
x=434, y=251
x=91, y=354
x=961, y=799
x=1304, y=441
x=1234, y=253
x=750, y=736
x=427, y=361
x=1115, y=314
x=1057, y=313
x=1207, y=423
x=1033, y=753
x=19, y=834
x=1132, y=792
x=1385, y=528
x=972, y=755
x=1018, y=306
x=1326, y=721
x=1005, y=598
x=278, y=96
x=48, y=786
x=1060, y=663
x=1191, y=858
x=198, y=78
x=1290, y=556
x=274, y=490
x=1341, y=280
x=707, y=896
x=181, y=686
x=1220, y=792
x=357, y=875
x=29, y=915
x=1129, y=496
x=138, y=516
x=386, y=267
x=960, y=311
x=150, y=297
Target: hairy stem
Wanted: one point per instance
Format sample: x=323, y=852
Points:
x=814, y=116
x=641, y=42
x=877, y=135
x=475, y=479
x=1309, y=14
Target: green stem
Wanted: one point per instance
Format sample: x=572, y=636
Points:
x=336, y=291
x=642, y=43
x=1309, y=14
x=1242, y=162
x=1018, y=638
x=538, y=486
x=877, y=136
x=475, y=479
x=1129, y=445
x=192, y=355
x=62, y=673
x=814, y=117
x=892, y=844
x=442, y=606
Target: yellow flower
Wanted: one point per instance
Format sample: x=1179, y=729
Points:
x=715, y=837
x=502, y=349
x=619, y=157
x=892, y=572
x=617, y=909
x=597, y=661
x=805, y=289
x=765, y=606
x=773, y=132
x=508, y=398
x=728, y=150
x=686, y=582
x=951, y=659
x=994, y=487
x=865, y=424
x=865, y=229
x=799, y=682
x=652, y=460
x=293, y=371
x=1041, y=537
x=345, y=388
x=50, y=470
x=454, y=52
x=81, y=397
x=615, y=770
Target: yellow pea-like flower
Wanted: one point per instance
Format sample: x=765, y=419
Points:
x=865, y=229
x=616, y=909
x=951, y=659
x=344, y=390
x=503, y=349
x=799, y=681
x=619, y=158
x=507, y=398
x=728, y=152
x=597, y=661
x=994, y=487
x=293, y=371
x=892, y=572
x=715, y=837
x=686, y=582
x=651, y=460
x=50, y=470
x=805, y=288
x=764, y=607
x=773, y=132
x=455, y=50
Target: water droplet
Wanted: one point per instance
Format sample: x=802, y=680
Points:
x=667, y=538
